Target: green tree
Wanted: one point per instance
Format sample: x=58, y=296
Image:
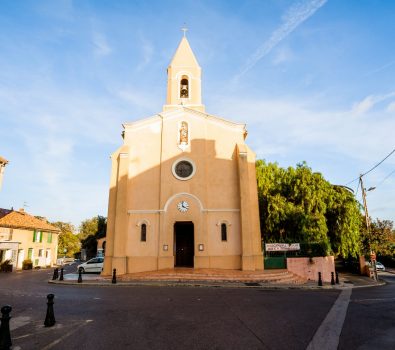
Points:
x=298, y=205
x=68, y=242
x=344, y=222
x=380, y=238
x=91, y=230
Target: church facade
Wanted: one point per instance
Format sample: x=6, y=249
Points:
x=183, y=186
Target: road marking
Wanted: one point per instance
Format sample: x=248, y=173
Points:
x=18, y=321
x=373, y=299
x=57, y=341
x=328, y=334
x=22, y=336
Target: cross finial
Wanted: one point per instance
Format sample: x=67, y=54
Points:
x=184, y=29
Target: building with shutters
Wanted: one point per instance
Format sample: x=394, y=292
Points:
x=23, y=236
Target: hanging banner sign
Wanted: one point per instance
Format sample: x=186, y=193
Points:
x=281, y=247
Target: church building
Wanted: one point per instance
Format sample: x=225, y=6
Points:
x=183, y=187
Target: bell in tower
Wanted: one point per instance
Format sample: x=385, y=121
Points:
x=184, y=87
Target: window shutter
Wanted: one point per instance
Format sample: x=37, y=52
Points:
x=34, y=235
x=41, y=236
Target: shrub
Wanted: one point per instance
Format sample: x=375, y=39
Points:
x=27, y=264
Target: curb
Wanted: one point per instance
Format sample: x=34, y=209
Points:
x=198, y=284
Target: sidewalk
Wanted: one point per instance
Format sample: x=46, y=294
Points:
x=213, y=278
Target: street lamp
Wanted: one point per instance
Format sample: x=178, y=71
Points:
x=365, y=205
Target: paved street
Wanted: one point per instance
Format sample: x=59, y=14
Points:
x=127, y=317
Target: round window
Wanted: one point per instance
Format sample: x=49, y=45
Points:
x=183, y=169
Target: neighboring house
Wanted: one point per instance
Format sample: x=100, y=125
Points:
x=23, y=236
x=3, y=163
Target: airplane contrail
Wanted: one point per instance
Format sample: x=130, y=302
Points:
x=295, y=16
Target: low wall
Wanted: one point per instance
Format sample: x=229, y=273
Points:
x=309, y=267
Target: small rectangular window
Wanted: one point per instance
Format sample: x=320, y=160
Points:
x=224, y=233
x=143, y=233
x=40, y=253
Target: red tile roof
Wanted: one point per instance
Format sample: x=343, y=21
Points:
x=21, y=219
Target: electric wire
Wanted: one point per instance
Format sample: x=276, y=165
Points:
x=380, y=183
x=371, y=169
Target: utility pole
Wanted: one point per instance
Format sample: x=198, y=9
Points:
x=372, y=254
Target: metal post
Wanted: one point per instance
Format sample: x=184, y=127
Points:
x=114, y=276
x=337, y=277
x=365, y=205
x=55, y=274
x=80, y=275
x=5, y=335
x=332, y=278
x=319, y=279
x=50, y=317
x=61, y=274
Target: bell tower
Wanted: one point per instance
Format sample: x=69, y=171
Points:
x=184, y=79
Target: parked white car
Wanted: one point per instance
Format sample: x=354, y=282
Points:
x=92, y=265
x=380, y=266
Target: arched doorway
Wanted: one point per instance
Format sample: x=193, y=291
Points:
x=184, y=246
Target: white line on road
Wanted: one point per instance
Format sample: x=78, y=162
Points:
x=57, y=341
x=18, y=321
x=328, y=334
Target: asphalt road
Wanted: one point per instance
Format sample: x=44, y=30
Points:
x=127, y=317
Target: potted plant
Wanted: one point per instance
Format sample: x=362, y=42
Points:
x=27, y=264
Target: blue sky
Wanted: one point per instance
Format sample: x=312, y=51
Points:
x=314, y=80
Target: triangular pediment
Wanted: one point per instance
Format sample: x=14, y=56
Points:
x=187, y=113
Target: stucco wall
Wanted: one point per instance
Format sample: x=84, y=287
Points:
x=308, y=269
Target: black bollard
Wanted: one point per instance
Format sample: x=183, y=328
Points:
x=319, y=279
x=80, y=275
x=337, y=277
x=5, y=335
x=61, y=274
x=332, y=278
x=114, y=276
x=50, y=317
x=55, y=274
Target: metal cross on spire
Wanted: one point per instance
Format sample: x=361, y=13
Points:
x=184, y=29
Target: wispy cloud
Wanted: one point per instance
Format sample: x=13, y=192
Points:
x=147, y=52
x=282, y=55
x=369, y=102
x=292, y=19
x=381, y=68
x=286, y=128
x=101, y=46
x=391, y=107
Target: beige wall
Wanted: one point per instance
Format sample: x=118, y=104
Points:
x=144, y=190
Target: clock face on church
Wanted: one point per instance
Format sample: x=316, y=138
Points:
x=183, y=206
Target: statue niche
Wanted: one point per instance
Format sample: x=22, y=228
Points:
x=183, y=139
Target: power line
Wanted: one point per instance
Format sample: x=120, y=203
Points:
x=367, y=172
x=392, y=172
